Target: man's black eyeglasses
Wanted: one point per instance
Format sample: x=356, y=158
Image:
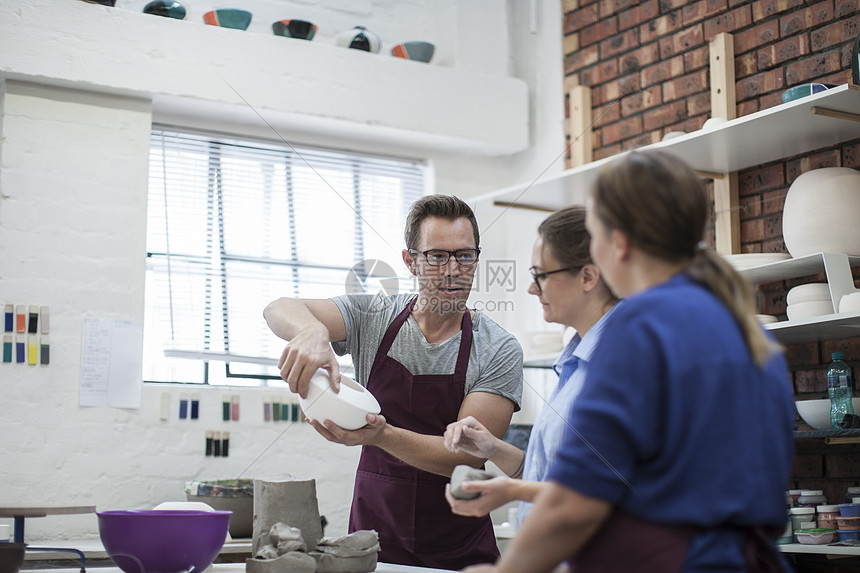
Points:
x=440, y=257
x=537, y=277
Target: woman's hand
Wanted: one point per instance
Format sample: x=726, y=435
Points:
x=470, y=436
x=494, y=492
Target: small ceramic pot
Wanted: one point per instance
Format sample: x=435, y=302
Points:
x=299, y=29
x=166, y=8
x=228, y=18
x=359, y=38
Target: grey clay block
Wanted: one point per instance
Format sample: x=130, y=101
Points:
x=467, y=473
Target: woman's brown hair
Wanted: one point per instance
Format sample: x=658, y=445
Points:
x=660, y=204
x=565, y=235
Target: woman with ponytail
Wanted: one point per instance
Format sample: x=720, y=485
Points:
x=680, y=443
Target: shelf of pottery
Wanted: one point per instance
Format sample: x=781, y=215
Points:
x=820, y=217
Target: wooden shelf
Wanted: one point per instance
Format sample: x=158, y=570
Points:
x=767, y=135
x=820, y=549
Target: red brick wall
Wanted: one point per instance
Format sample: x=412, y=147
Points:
x=646, y=63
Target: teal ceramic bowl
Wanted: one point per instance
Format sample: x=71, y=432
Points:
x=804, y=90
x=418, y=51
x=228, y=18
x=165, y=8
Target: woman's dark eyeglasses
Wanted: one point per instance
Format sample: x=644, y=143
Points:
x=440, y=257
x=537, y=277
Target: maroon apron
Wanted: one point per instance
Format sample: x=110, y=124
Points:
x=627, y=543
x=406, y=506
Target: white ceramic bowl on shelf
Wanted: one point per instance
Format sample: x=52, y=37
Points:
x=741, y=261
x=821, y=211
x=807, y=310
x=808, y=292
x=850, y=302
x=347, y=408
x=816, y=413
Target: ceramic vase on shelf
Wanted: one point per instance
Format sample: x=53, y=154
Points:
x=822, y=212
x=359, y=38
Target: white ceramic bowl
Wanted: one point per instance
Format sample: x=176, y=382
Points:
x=816, y=413
x=347, y=408
x=820, y=212
x=808, y=293
x=850, y=302
x=741, y=261
x=807, y=310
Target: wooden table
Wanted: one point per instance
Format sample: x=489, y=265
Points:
x=20, y=512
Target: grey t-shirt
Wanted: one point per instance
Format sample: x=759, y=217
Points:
x=495, y=360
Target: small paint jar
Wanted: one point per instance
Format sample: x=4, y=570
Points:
x=795, y=495
x=801, y=515
x=851, y=493
x=811, y=498
x=826, y=515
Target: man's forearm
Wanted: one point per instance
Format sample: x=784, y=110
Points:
x=424, y=452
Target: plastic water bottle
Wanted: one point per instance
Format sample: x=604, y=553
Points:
x=839, y=390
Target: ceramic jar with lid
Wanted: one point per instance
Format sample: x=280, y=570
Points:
x=811, y=498
x=851, y=493
x=801, y=515
x=826, y=515
x=795, y=495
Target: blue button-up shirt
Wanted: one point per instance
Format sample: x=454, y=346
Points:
x=549, y=426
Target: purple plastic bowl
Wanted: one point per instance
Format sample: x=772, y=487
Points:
x=163, y=541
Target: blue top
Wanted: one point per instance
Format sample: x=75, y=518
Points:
x=550, y=424
x=677, y=425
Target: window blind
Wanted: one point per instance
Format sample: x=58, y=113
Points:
x=233, y=225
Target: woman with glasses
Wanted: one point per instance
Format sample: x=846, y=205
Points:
x=681, y=443
x=571, y=292
x=428, y=360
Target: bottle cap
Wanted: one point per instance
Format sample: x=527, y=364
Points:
x=801, y=510
x=827, y=508
x=836, y=356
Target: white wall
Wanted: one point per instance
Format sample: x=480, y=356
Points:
x=73, y=163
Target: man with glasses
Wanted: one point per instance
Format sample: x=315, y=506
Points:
x=429, y=361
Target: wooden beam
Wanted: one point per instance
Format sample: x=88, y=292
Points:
x=579, y=109
x=835, y=113
x=527, y=207
x=727, y=225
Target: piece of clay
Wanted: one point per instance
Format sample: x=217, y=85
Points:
x=353, y=553
x=463, y=473
x=294, y=562
x=291, y=502
x=287, y=538
x=267, y=552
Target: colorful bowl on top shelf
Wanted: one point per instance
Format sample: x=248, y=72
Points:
x=228, y=18
x=418, y=51
x=804, y=90
x=299, y=29
x=166, y=8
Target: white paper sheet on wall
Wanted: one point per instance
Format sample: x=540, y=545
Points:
x=111, y=363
